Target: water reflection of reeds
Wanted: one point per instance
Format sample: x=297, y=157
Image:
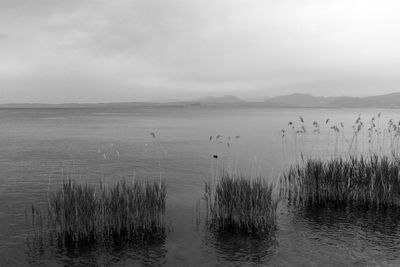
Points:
x=242, y=249
x=42, y=251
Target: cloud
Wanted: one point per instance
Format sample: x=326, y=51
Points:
x=89, y=51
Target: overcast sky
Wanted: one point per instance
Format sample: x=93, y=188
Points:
x=55, y=51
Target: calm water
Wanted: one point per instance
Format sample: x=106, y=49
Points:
x=92, y=145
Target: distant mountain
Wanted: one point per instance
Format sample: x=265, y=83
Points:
x=227, y=99
x=257, y=99
x=380, y=101
x=304, y=100
x=299, y=100
x=286, y=101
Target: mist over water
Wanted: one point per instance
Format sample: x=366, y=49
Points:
x=41, y=146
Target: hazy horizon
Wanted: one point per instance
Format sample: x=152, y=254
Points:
x=142, y=51
x=198, y=99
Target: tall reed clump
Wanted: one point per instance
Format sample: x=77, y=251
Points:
x=372, y=181
x=121, y=212
x=240, y=205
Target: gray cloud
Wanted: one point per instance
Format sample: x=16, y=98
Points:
x=90, y=51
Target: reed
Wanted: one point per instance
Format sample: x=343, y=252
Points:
x=239, y=205
x=373, y=136
x=124, y=211
x=371, y=181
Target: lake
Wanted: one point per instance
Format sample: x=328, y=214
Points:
x=40, y=147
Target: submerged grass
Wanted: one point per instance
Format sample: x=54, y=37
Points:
x=372, y=181
x=239, y=205
x=81, y=213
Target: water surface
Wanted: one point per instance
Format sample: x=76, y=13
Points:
x=40, y=146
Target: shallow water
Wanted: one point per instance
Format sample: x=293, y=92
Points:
x=40, y=146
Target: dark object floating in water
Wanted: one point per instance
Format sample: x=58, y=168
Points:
x=215, y=156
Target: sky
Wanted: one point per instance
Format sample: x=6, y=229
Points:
x=57, y=51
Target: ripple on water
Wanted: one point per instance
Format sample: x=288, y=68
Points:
x=237, y=248
x=362, y=234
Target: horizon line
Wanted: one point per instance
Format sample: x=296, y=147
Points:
x=199, y=99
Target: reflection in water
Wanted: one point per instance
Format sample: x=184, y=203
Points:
x=31, y=148
x=361, y=230
x=43, y=250
x=241, y=248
